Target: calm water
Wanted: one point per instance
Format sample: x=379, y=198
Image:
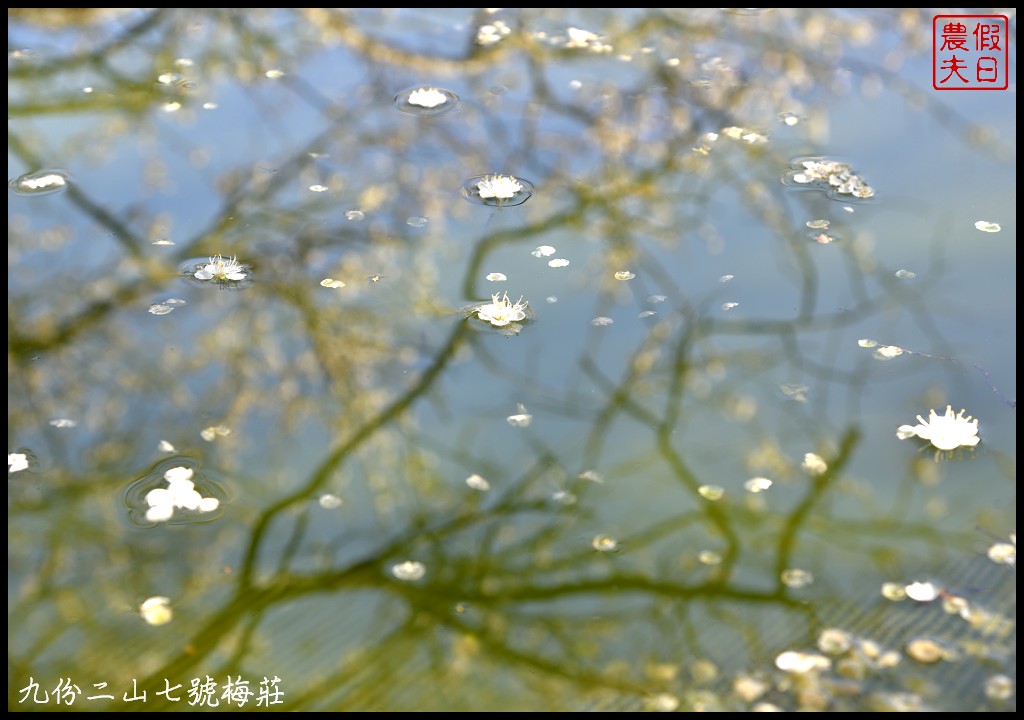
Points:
x=252, y=262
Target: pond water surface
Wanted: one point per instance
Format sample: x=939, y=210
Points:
x=507, y=359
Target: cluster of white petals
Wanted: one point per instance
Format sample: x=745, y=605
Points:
x=16, y=462
x=221, y=269
x=837, y=175
x=40, y=182
x=156, y=610
x=427, y=97
x=501, y=311
x=946, y=432
x=499, y=187
x=180, y=493
x=409, y=571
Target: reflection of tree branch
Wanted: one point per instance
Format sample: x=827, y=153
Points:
x=97, y=56
x=343, y=448
x=820, y=483
x=97, y=213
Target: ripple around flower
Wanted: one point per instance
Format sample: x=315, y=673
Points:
x=497, y=190
x=177, y=491
x=40, y=182
x=427, y=101
x=833, y=177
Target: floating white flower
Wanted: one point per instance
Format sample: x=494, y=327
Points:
x=945, y=432
x=800, y=663
x=1003, y=553
x=814, y=464
x=564, y=497
x=604, y=543
x=499, y=187
x=711, y=492
x=213, y=432
x=180, y=493
x=427, y=101
x=796, y=578
x=478, y=483
x=16, y=462
x=888, y=352
x=520, y=419
x=922, y=591
x=492, y=32
x=757, y=484
x=502, y=311
x=330, y=501
x=409, y=571
x=427, y=97
x=221, y=269
x=662, y=702
x=156, y=610
x=999, y=687
x=44, y=182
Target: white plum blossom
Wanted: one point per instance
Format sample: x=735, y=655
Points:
x=604, y=543
x=427, y=98
x=521, y=418
x=492, y=32
x=156, y=610
x=814, y=464
x=888, y=352
x=945, y=432
x=40, y=182
x=579, y=38
x=221, y=269
x=16, y=462
x=800, y=663
x=499, y=187
x=1003, y=553
x=477, y=482
x=409, y=571
x=180, y=493
x=501, y=311
x=922, y=591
